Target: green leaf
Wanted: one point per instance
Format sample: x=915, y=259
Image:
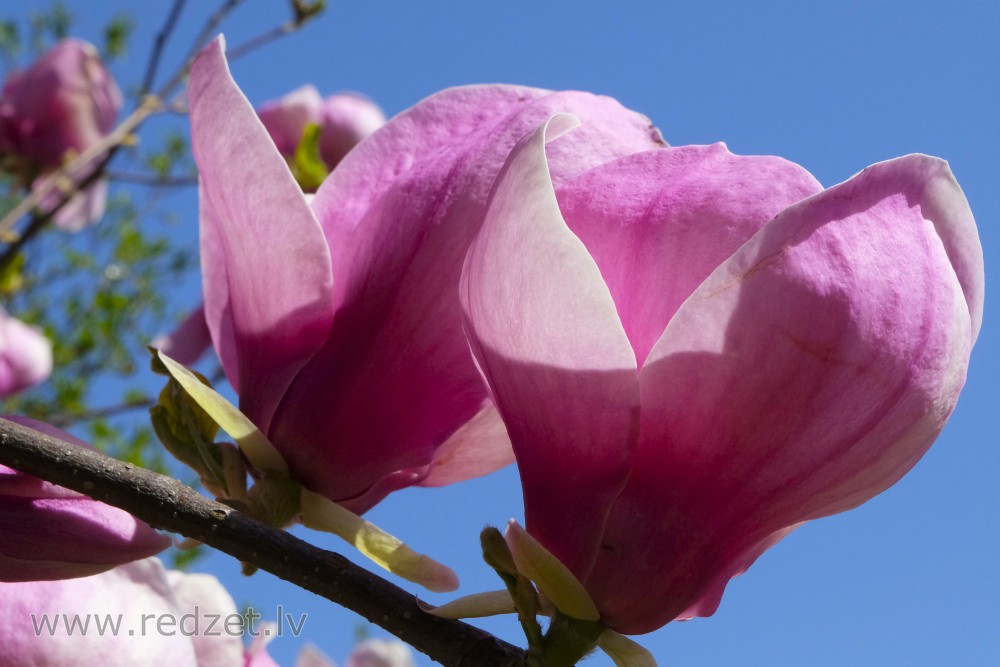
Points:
x=116, y=35
x=255, y=445
x=497, y=555
x=11, y=278
x=10, y=39
x=188, y=431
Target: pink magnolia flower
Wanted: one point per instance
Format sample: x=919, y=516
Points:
x=337, y=320
x=50, y=532
x=344, y=120
x=149, y=616
x=381, y=653
x=189, y=340
x=25, y=355
x=60, y=106
x=369, y=653
x=694, y=352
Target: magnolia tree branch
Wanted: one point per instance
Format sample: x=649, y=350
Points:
x=161, y=41
x=165, y=503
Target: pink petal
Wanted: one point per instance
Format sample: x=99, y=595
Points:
x=381, y=653
x=659, y=222
x=53, y=533
x=475, y=449
x=346, y=119
x=544, y=330
x=804, y=376
x=260, y=228
x=189, y=340
x=25, y=355
x=200, y=598
x=134, y=597
x=285, y=119
x=395, y=380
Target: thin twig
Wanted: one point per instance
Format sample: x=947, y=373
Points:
x=211, y=25
x=167, y=504
x=107, y=145
x=260, y=40
x=154, y=180
x=68, y=419
x=40, y=220
x=161, y=41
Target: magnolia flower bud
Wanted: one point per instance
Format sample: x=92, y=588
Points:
x=58, y=107
x=25, y=355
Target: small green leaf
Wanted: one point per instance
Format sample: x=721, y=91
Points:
x=522, y=592
x=12, y=278
x=255, y=445
x=188, y=431
x=116, y=35
x=305, y=10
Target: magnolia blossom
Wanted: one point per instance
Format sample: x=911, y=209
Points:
x=25, y=355
x=343, y=119
x=189, y=341
x=369, y=653
x=337, y=320
x=60, y=106
x=50, y=532
x=149, y=615
x=381, y=653
x=694, y=352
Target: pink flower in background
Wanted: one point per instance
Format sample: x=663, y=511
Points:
x=694, y=352
x=60, y=106
x=50, y=532
x=381, y=653
x=160, y=617
x=25, y=355
x=344, y=120
x=369, y=653
x=188, y=341
x=337, y=320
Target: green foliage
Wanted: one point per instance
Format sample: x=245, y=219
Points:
x=186, y=430
x=10, y=41
x=116, y=36
x=173, y=156
x=185, y=558
x=49, y=26
x=100, y=297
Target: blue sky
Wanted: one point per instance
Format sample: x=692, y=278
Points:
x=909, y=578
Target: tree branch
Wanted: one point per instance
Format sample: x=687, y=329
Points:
x=167, y=504
x=161, y=41
x=152, y=180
